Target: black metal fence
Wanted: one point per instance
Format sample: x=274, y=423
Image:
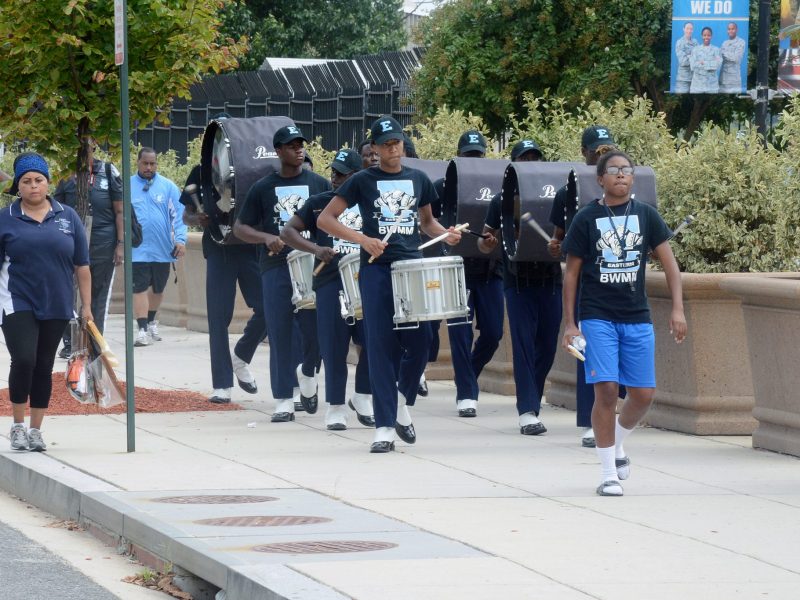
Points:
x=336, y=100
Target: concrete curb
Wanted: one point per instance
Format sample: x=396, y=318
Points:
x=71, y=494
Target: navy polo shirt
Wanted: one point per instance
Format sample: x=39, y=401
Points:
x=39, y=260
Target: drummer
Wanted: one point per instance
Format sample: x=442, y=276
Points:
x=485, y=284
x=334, y=333
x=392, y=199
x=269, y=205
x=533, y=300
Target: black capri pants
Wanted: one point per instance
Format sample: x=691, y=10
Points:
x=32, y=345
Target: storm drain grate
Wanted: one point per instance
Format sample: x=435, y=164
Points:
x=213, y=499
x=271, y=521
x=332, y=547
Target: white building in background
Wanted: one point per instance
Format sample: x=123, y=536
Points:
x=415, y=11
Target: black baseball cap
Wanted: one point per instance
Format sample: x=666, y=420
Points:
x=284, y=135
x=384, y=129
x=523, y=146
x=472, y=141
x=595, y=136
x=346, y=161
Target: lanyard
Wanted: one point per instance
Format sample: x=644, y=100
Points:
x=610, y=215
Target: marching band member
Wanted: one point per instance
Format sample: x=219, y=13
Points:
x=533, y=300
x=392, y=199
x=334, y=332
x=227, y=265
x=609, y=237
x=595, y=141
x=269, y=205
x=485, y=284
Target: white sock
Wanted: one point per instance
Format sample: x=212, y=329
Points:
x=608, y=467
x=620, y=433
x=403, y=415
x=30, y=429
x=308, y=385
x=588, y=432
x=336, y=413
x=528, y=418
x=384, y=434
x=221, y=393
x=422, y=379
x=363, y=404
x=284, y=405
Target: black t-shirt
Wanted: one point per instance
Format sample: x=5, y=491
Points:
x=614, y=258
x=521, y=274
x=558, y=212
x=273, y=200
x=351, y=218
x=386, y=200
x=102, y=193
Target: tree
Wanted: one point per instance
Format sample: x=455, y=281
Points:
x=482, y=56
x=61, y=87
x=316, y=28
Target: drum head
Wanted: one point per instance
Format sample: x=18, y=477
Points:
x=235, y=154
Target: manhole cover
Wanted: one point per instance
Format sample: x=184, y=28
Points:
x=214, y=499
x=323, y=547
x=272, y=521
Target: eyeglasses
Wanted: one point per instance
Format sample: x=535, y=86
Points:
x=618, y=170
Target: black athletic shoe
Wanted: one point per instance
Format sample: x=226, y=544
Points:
x=65, y=352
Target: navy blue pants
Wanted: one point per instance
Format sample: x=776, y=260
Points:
x=334, y=344
x=486, y=307
x=225, y=267
x=280, y=316
x=385, y=346
x=534, y=319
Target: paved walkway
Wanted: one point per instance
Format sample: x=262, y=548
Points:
x=473, y=510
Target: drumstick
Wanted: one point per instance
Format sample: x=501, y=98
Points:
x=439, y=238
x=576, y=353
x=191, y=191
x=685, y=223
x=319, y=268
x=528, y=218
x=483, y=236
x=392, y=229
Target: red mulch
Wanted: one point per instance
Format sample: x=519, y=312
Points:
x=148, y=400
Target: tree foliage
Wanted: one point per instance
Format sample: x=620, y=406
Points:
x=481, y=57
x=315, y=28
x=60, y=85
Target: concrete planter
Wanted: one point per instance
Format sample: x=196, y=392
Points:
x=704, y=385
x=771, y=310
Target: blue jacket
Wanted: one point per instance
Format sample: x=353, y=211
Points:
x=161, y=216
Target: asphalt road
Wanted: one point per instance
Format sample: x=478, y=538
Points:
x=28, y=571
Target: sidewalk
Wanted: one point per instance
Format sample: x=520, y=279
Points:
x=473, y=510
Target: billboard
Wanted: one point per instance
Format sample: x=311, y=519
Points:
x=709, y=46
x=789, y=61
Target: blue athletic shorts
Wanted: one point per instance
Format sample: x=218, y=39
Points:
x=621, y=352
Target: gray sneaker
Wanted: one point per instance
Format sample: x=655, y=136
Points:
x=35, y=441
x=19, y=437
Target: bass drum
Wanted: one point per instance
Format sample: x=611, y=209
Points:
x=587, y=189
x=435, y=170
x=235, y=154
x=530, y=187
x=470, y=185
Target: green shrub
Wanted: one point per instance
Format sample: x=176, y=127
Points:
x=744, y=197
x=436, y=138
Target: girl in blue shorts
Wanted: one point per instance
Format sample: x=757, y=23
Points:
x=607, y=248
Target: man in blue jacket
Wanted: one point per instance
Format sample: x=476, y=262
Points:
x=158, y=209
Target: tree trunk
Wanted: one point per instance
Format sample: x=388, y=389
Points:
x=700, y=104
x=83, y=170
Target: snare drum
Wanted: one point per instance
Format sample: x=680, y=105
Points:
x=350, y=296
x=301, y=266
x=429, y=289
